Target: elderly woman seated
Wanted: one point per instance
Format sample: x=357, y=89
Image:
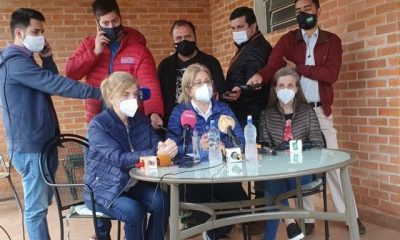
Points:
x=118, y=137
x=287, y=117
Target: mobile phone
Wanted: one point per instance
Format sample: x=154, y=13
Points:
x=227, y=93
x=45, y=49
x=251, y=87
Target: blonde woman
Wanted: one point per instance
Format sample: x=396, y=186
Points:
x=117, y=138
x=197, y=89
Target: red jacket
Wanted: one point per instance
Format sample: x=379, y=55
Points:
x=328, y=59
x=133, y=56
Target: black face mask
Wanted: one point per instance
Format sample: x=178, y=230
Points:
x=306, y=21
x=185, y=47
x=112, y=33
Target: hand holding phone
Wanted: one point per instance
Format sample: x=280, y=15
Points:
x=100, y=41
x=46, y=51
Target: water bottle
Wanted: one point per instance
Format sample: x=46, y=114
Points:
x=250, y=136
x=196, y=146
x=214, y=149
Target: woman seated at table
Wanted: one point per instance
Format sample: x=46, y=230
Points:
x=117, y=138
x=197, y=89
x=287, y=117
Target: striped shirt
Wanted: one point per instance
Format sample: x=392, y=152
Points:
x=305, y=125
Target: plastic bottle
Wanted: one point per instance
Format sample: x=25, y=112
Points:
x=250, y=136
x=196, y=146
x=214, y=149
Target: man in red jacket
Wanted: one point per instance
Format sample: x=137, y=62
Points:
x=317, y=56
x=115, y=48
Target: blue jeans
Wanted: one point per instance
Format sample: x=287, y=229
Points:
x=37, y=194
x=276, y=187
x=131, y=207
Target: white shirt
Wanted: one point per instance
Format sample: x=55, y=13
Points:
x=310, y=86
x=197, y=109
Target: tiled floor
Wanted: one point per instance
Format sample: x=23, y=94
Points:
x=81, y=229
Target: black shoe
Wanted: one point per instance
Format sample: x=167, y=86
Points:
x=361, y=228
x=309, y=228
x=294, y=232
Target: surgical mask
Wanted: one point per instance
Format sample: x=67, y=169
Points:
x=128, y=107
x=240, y=37
x=203, y=93
x=285, y=95
x=34, y=43
x=185, y=47
x=306, y=21
x=112, y=33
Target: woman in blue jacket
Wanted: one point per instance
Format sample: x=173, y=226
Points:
x=197, y=96
x=117, y=138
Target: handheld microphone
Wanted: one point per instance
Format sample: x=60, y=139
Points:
x=188, y=121
x=226, y=125
x=144, y=93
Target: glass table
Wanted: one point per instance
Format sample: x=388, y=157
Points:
x=284, y=165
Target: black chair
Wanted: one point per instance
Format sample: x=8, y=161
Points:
x=317, y=186
x=62, y=166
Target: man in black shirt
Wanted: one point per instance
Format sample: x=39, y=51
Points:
x=171, y=69
x=251, y=55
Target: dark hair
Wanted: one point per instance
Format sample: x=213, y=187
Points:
x=299, y=97
x=316, y=3
x=182, y=22
x=102, y=7
x=22, y=18
x=243, y=11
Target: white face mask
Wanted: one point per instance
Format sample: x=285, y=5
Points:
x=34, y=43
x=240, y=37
x=128, y=107
x=285, y=95
x=203, y=93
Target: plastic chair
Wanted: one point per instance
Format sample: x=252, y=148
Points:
x=63, y=167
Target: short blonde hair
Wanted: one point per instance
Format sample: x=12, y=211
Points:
x=116, y=83
x=187, y=79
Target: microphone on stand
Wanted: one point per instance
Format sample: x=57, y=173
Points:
x=226, y=124
x=188, y=121
x=144, y=93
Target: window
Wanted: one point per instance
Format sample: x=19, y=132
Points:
x=273, y=15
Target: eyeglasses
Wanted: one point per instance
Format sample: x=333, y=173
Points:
x=199, y=84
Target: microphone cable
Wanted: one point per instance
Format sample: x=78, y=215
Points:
x=1, y=227
x=12, y=144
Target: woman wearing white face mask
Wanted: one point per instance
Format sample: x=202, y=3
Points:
x=287, y=117
x=197, y=96
x=117, y=138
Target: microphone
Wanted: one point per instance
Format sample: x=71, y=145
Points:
x=226, y=125
x=188, y=121
x=269, y=150
x=144, y=93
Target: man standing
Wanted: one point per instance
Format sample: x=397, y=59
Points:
x=171, y=69
x=28, y=112
x=252, y=54
x=317, y=56
x=115, y=48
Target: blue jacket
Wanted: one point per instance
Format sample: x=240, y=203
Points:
x=25, y=90
x=113, y=151
x=218, y=108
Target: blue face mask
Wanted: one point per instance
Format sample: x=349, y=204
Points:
x=112, y=33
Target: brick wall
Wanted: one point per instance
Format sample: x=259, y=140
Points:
x=367, y=95
x=69, y=21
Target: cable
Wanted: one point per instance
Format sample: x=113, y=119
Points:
x=5, y=232
x=12, y=145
